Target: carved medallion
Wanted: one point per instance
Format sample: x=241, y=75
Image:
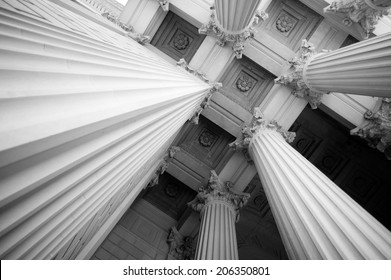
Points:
x=181, y=41
x=284, y=23
x=171, y=190
x=244, y=83
x=206, y=138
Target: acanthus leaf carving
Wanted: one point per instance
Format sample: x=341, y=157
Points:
x=258, y=124
x=377, y=130
x=163, y=165
x=364, y=12
x=214, y=87
x=139, y=38
x=238, y=40
x=217, y=190
x=295, y=78
x=181, y=247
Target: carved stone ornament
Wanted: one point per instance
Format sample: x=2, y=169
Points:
x=181, y=247
x=258, y=123
x=217, y=190
x=244, y=83
x=181, y=41
x=206, y=138
x=238, y=40
x=295, y=80
x=214, y=87
x=183, y=64
x=364, y=12
x=377, y=130
x=139, y=38
x=164, y=4
x=164, y=163
x=284, y=23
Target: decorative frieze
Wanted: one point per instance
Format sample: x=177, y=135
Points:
x=165, y=4
x=258, y=123
x=181, y=247
x=139, y=38
x=216, y=190
x=295, y=79
x=364, y=12
x=238, y=40
x=377, y=130
x=164, y=163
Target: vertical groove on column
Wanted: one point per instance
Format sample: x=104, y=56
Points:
x=92, y=116
x=217, y=239
x=362, y=68
x=235, y=15
x=316, y=219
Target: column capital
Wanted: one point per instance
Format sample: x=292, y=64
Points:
x=258, y=125
x=364, y=12
x=139, y=38
x=216, y=190
x=237, y=39
x=181, y=247
x=206, y=102
x=164, y=163
x=377, y=130
x=295, y=79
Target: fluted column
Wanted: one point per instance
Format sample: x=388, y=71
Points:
x=363, y=68
x=219, y=206
x=85, y=116
x=316, y=219
x=233, y=21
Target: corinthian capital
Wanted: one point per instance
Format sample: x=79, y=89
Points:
x=295, y=78
x=217, y=190
x=258, y=124
x=139, y=38
x=238, y=40
x=364, y=12
x=377, y=130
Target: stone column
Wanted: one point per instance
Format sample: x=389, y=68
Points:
x=316, y=219
x=85, y=116
x=233, y=21
x=363, y=68
x=219, y=206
